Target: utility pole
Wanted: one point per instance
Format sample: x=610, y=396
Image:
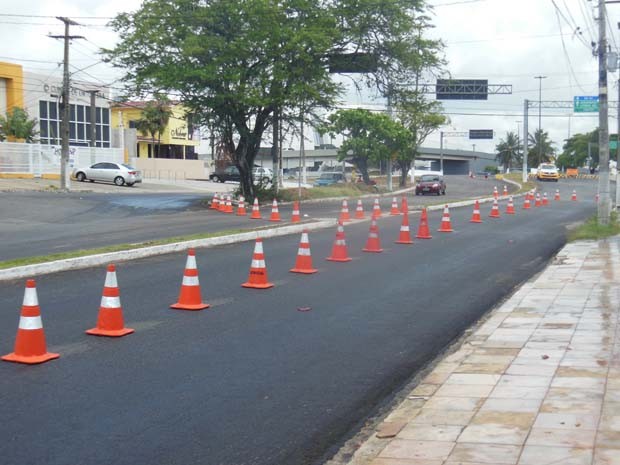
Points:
x=389, y=160
x=604, y=204
x=540, y=78
x=441, y=151
x=526, y=107
x=65, y=183
x=618, y=149
x=275, y=182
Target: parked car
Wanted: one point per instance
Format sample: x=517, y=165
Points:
x=547, y=171
x=430, y=184
x=118, y=173
x=329, y=179
x=262, y=175
x=230, y=173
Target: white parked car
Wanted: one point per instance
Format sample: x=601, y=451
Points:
x=262, y=175
x=118, y=173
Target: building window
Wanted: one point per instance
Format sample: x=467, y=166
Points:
x=79, y=125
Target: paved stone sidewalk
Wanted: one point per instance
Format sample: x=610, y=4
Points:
x=537, y=383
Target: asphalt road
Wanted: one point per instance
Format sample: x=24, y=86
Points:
x=253, y=380
x=41, y=223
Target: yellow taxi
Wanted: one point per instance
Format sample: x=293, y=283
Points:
x=547, y=172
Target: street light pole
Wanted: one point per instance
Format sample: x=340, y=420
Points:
x=540, y=78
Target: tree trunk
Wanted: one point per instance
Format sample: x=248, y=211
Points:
x=405, y=166
x=362, y=164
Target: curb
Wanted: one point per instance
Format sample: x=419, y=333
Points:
x=126, y=255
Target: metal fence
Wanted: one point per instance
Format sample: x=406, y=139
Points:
x=39, y=160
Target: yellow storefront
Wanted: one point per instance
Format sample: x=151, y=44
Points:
x=177, y=141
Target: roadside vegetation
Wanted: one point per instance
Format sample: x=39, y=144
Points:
x=592, y=230
x=517, y=177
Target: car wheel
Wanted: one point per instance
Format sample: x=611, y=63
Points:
x=215, y=178
x=266, y=180
x=443, y=192
x=81, y=177
x=119, y=181
x=438, y=192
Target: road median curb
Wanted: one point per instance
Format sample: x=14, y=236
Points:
x=143, y=252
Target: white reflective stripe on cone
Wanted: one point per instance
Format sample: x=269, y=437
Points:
x=110, y=302
x=258, y=247
x=190, y=281
x=30, y=322
x=340, y=242
x=303, y=252
x=304, y=238
x=30, y=297
x=110, y=279
x=191, y=262
x=258, y=264
x=404, y=228
x=373, y=235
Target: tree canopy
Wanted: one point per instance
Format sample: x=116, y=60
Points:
x=17, y=125
x=233, y=62
x=540, y=148
x=154, y=119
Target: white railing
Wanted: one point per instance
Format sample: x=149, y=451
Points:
x=38, y=160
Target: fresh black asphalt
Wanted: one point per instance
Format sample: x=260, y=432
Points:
x=253, y=380
x=42, y=223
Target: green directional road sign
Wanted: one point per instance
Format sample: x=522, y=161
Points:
x=613, y=145
x=585, y=104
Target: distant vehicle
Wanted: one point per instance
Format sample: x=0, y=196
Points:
x=230, y=173
x=329, y=179
x=118, y=173
x=262, y=175
x=430, y=184
x=547, y=171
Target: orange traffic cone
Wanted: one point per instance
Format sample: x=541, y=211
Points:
x=229, y=207
x=296, y=217
x=495, y=210
x=30, y=346
x=495, y=193
x=475, y=217
x=110, y=321
x=344, y=212
x=241, y=207
x=275, y=214
x=221, y=207
x=404, y=207
x=574, y=196
x=423, y=230
x=557, y=194
x=538, y=203
x=404, y=236
x=303, y=264
x=339, y=250
x=505, y=190
x=545, y=200
x=373, y=244
x=394, y=209
x=255, y=210
x=446, y=226
x=376, y=208
x=532, y=195
x=510, y=208
x=189, y=297
x=359, y=210
x=215, y=203
x=258, y=270
x=526, y=202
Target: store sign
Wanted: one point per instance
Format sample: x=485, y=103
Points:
x=179, y=133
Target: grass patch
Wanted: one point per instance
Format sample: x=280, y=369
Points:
x=518, y=177
x=337, y=190
x=118, y=248
x=592, y=230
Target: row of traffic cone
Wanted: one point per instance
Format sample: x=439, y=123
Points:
x=225, y=206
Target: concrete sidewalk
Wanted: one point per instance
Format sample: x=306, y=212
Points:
x=536, y=383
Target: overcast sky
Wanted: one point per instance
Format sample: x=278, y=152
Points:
x=504, y=41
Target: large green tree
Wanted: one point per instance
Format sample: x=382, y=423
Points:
x=234, y=62
x=575, y=151
x=540, y=148
x=368, y=137
x=509, y=151
x=17, y=125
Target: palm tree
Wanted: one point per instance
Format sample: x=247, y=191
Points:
x=540, y=148
x=509, y=151
x=155, y=117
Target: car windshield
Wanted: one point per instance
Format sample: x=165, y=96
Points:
x=547, y=167
x=427, y=178
x=131, y=168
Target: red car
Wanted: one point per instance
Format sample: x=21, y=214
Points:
x=430, y=184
